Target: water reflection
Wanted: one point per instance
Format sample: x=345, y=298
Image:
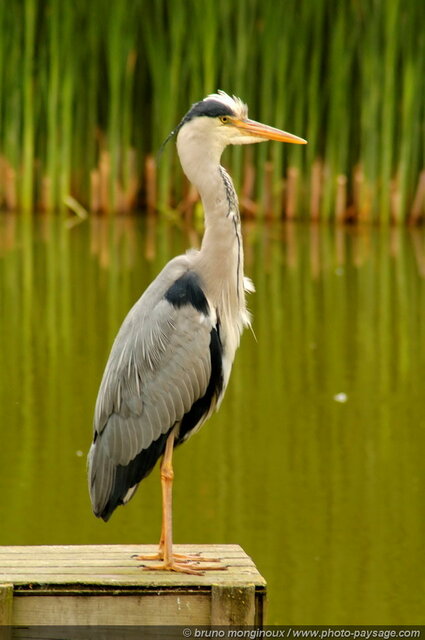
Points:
x=326, y=495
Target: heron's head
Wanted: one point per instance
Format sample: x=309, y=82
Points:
x=220, y=120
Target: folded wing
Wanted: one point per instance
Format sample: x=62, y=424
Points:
x=164, y=371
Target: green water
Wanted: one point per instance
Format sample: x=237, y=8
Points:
x=315, y=462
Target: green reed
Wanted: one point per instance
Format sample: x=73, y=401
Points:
x=28, y=118
x=90, y=90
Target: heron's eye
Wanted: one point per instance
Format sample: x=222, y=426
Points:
x=224, y=119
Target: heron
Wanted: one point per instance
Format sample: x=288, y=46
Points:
x=170, y=363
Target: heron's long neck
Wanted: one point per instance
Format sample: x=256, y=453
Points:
x=222, y=238
x=221, y=254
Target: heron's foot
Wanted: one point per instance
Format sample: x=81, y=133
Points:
x=179, y=557
x=185, y=565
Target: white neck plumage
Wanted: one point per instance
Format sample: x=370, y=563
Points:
x=220, y=260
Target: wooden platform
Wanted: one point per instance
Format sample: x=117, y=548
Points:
x=105, y=585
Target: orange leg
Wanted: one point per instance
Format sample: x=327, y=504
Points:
x=172, y=561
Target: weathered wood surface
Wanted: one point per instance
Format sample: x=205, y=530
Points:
x=233, y=605
x=114, y=565
x=6, y=599
x=105, y=585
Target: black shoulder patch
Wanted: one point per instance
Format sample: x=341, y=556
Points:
x=209, y=108
x=187, y=290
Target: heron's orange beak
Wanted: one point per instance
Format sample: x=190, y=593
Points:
x=253, y=128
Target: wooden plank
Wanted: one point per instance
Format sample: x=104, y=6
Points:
x=81, y=558
x=80, y=549
x=107, y=561
x=6, y=603
x=98, y=563
x=104, y=610
x=137, y=577
x=233, y=604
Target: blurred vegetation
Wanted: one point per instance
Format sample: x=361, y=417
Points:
x=90, y=89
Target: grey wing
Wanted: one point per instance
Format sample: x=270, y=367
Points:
x=158, y=371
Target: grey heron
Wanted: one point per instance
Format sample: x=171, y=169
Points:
x=170, y=362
